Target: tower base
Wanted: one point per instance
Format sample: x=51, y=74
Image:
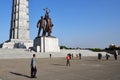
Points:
x=17, y=43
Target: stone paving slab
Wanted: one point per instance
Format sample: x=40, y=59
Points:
x=89, y=68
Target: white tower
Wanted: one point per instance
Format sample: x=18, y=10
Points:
x=19, y=30
x=20, y=20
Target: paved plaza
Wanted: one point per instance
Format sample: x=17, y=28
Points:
x=89, y=68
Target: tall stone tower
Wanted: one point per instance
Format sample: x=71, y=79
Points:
x=20, y=20
x=19, y=30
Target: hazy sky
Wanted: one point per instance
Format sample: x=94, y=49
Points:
x=77, y=23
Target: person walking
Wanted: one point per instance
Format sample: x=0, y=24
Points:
x=107, y=56
x=50, y=56
x=33, y=67
x=99, y=56
x=79, y=56
x=72, y=56
x=68, y=60
x=115, y=56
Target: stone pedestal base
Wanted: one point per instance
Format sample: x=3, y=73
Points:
x=46, y=44
x=17, y=43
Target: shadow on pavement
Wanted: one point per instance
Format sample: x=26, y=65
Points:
x=19, y=74
x=58, y=64
x=93, y=60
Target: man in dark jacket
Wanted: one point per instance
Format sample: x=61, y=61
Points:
x=33, y=67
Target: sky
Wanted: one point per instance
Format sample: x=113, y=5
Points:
x=77, y=23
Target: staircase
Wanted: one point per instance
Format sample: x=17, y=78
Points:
x=23, y=53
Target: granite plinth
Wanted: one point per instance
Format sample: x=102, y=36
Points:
x=46, y=44
x=17, y=43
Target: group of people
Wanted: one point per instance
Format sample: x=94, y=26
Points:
x=107, y=56
x=68, y=57
x=77, y=56
x=34, y=68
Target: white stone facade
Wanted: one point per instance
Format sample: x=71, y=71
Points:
x=20, y=20
x=19, y=30
x=46, y=44
x=17, y=43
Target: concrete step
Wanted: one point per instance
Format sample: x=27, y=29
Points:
x=22, y=53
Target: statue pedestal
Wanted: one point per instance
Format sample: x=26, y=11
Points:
x=46, y=44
